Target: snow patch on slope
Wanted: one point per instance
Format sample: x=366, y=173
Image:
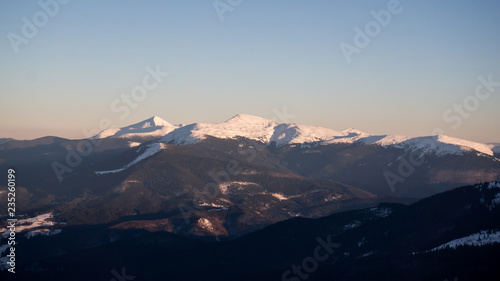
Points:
x=496, y=201
x=280, y=196
x=494, y=184
x=491, y=185
x=133, y=144
x=35, y=226
x=150, y=150
x=223, y=186
x=352, y=225
x=440, y=145
x=35, y=222
x=468, y=145
x=43, y=231
x=381, y=212
x=205, y=224
x=478, y=239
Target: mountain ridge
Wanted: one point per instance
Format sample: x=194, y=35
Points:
x=270, y=131
x=279, y=133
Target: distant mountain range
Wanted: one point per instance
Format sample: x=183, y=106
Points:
x=272, y=132
x=155, y=197
x=288, y=137
x=5, y=140
x=242, y=174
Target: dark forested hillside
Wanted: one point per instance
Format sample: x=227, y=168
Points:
x=388, y=242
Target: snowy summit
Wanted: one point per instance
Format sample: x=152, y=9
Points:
x=272, y=132
x=269, y=131
x=152, y=127
x=251, y=127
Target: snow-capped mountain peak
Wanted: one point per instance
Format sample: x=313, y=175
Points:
x=155, y=121
x=152, y=122
x=241, y=125
x=151, y=127
x=248, y=119
x=251, y=127
x=272, y=132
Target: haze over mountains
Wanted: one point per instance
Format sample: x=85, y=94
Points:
x=128, y=153
x=390, y=164
x=278, y=133
x=288, y=169
x=248, y=180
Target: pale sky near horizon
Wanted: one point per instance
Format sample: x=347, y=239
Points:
x=261, y=57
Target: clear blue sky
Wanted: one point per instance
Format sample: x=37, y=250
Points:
x=263, y=56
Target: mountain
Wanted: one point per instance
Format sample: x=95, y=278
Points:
x=248, y=198
x=282, y=134
x=396, y=165
x=163, y=182
x=428, y=240
x=224, y=188
x=495, y=147
x=440, y=145
x=5, y=140
x=272, y=132
x=240, y=175
x=151, y=128
x=251, y=127
x=182, y=188
x=269, y=131
x=21, y=144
